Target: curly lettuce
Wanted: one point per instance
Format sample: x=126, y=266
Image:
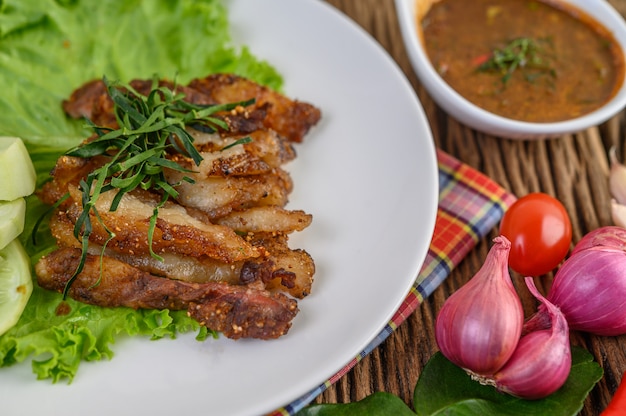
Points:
x=47, y=49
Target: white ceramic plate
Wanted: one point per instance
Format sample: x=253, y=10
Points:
x=367, y=173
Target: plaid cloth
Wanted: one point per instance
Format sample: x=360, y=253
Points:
x=470, y=205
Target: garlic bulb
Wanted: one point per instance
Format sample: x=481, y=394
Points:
x=618, y=213
x=617, y=187
x=617, y=178
x=542, y=360
x=480, y=324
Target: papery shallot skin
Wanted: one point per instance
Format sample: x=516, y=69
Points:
x=480, y=324
x=590, y=290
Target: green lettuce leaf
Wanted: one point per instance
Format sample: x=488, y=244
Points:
x=47, y=49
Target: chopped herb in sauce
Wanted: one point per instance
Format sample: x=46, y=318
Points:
x=533, y=58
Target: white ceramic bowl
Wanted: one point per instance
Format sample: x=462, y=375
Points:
x=473, y=116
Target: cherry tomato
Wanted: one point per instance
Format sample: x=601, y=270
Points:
x=540, y=232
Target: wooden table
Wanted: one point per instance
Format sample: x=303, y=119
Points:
x=574, y=168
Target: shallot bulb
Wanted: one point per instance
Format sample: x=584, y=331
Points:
x=479, y=325
x=542, y=360
x=603, y=237
x=590, y=287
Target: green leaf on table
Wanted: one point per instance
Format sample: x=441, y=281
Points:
x=444, y=388
x=377, y=404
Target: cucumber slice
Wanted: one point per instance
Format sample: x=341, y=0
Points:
x=17, y=173
x=12, y=215
x=16, y=284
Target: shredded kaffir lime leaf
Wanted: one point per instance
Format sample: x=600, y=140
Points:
x=532, y=57
x=150, y=128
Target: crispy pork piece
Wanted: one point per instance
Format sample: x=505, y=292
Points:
x=218, y=196
x=266, y=219
x=279, y=268
x=82, y=100
x=259, y=160
x=176, y=231
x=236, y=311
x=68, y=171
x=290, y=118
x=295, y=264
x=222, y=156
x=91, y=100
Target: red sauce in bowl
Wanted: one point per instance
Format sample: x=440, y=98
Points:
x=529, y=60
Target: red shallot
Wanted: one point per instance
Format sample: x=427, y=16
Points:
x=590, y=287
x=479, y=325
x=542, y=360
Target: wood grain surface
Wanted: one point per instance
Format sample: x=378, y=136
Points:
x=574, y=168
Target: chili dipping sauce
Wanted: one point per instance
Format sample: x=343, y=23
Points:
x=530, y=60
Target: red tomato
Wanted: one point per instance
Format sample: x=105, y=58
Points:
x=540, y=232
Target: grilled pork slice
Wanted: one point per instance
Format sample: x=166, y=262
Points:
x=290, y=118
x=236, y=311
x=272, y=110
x=219, y=196
x=296, y=265
x=91, y=100
x=235, y=178
x=266, y=219
x=279, y=268
x=68, y=171
x=176, y=231
x=222, y=156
